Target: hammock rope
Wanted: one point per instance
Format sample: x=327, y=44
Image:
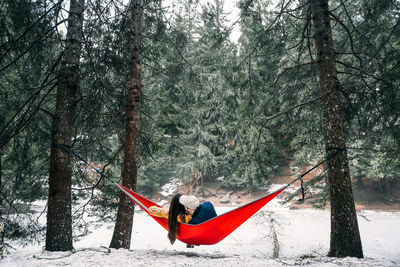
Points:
x=216, y=229
x=338, y=151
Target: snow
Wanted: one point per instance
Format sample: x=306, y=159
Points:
x=169, y=189
x=303, y=240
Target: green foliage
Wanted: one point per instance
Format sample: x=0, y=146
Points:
x=210, y=107
x=26, y=81
x=367, y=43
x=22, y=227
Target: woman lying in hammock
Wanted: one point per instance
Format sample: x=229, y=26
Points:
x=186, y=209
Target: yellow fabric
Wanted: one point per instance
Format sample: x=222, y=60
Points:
x=163, y=213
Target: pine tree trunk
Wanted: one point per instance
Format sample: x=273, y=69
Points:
x=123, y=226
x=59, y=221
x=345, y=236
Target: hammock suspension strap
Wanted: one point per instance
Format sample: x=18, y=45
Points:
x=338, y=151
x=68, y=150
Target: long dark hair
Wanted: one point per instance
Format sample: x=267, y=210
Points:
x=175, y=209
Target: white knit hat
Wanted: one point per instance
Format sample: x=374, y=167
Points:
x=190, y=202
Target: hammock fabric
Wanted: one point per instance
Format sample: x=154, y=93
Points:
x=209, y=232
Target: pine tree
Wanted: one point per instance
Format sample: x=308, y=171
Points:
x=29, y=58
x=123, y=226
x=59, y=221
x=345, y=236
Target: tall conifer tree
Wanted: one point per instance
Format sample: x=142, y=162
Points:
x=345, y=236
x=59, y=221
x=123, y=226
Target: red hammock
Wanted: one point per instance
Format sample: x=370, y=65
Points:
x=209, y=232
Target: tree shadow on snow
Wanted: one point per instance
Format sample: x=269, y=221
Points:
x=191, y=254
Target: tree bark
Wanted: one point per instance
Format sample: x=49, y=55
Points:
x=123, y=226
x=345, y=237
x=59, y=221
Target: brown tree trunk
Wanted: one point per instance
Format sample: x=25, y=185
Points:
x=123, y=226
x=59, y=221
x=345, y=236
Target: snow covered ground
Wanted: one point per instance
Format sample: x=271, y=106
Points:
x=303, y=239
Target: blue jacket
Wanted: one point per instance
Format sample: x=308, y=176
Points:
x=203, y=213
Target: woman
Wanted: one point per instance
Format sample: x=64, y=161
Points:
x=186, y=209
x=176, y=214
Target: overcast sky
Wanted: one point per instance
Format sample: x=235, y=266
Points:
x=230, y=7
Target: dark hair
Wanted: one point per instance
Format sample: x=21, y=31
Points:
x=175, y=209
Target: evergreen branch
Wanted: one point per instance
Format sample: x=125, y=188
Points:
x=147, y=115
x=5, y=134
x=5, y=137
x=147, y=143
x=383, y=43
x=277, y=115
x=114, y=157
x=297, y=8
x=361, y=71
x=387, y=39
x=349, y=17
x=395, y=150
x=296, y=17
x=165, y=72
x=304, y=33
x=353, y=109
x=340, y=5
x=9, y=202
x=229, y=29
x=266, y=31
x=29, y=28
x=183, y=92
x=173, y=43
x=93, y=141
x=291, y=68
x=374, y=101
x=44, y=110
x=276, y=51
x=290, y=109
x=350, y=37
x=43, y=37
x=177, y=49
